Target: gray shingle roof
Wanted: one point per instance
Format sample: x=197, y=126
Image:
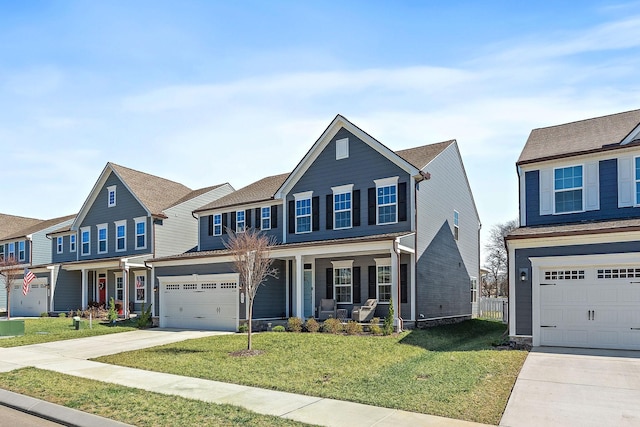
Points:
x=258, y=191
x=12, y=224
x=579, y=137
x=40, y=225
x=421, y=156
x=195, y=193
x=591, y=227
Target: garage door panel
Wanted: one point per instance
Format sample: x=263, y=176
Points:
x=32, y=304
x=630, y=295
x=631, y=339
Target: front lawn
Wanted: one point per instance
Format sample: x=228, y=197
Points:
x=47, y=329
x=132, y=406
x=451, y=371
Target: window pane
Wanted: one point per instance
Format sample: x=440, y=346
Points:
x=387, y=214
x=637, y=168
x=569, y=201
x=303, y=224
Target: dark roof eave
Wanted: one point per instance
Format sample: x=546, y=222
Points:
x=572, y=233
x=578, y=153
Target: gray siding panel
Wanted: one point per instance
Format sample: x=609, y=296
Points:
x=271, y=298
x=523, y=289
x=68, y=291
x=361, y=168
x=66, y=255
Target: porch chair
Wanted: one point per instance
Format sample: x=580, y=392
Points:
x=327, y=309
x=365, y=312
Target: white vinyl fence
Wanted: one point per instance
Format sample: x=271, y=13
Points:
x=493, y=308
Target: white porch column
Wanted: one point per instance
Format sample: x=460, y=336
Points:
x=85, y=288
x=153, y=291
x=395, y=285
x=299, y=307
x=125, y=286
x=412, y=272
x=52, y=286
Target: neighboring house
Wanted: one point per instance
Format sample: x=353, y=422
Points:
x=28, y=244
x=354, y=220
x=128, y=218
x=574, y=263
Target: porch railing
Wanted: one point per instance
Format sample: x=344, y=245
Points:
x=493, y=308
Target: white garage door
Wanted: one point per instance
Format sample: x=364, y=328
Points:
x=32, y=304
x=590, y=307
x=199, y=302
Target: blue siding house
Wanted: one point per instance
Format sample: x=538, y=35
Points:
x=574, y=263
x=353, y=221
x=128, y=218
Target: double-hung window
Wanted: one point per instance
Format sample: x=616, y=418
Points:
x=343, y=281
x=1, y=252
x=141, y=288
x=11, y=251
x=456, y=224
x=265, y=218
x=111, y=196
x=217, y=224
x=72, y=243
x=119, y=287
x=103, y=246
x=121, y=235
x=383, y=279
x=637, y=179
x=568, y=189
x=240, y=221
x=141, y=232
x=387, y=200
x=21, y=251
x=303, y=212
x=342, y=206
x=85, y=241
x=59, y=242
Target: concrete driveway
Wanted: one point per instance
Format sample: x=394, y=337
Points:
x=576, y=387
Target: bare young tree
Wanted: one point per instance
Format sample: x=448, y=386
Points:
x=252, y=261
x=10, y=271
x=496, y=261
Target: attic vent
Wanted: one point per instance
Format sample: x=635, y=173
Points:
x=342, y=148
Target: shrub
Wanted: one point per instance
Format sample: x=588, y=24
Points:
x=62, y=315
x=375, y=328
x=278, y=328
x=243, y=329
x=44, y=314
x=353, y=328
x=387, y=326
x=112, y=314
x=294, y=324
x=144, y=320
x=312, y=325
x=332, y=326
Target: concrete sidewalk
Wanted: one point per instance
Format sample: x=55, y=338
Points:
x=70, y=357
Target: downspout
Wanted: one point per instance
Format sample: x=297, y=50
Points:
x=30, y=239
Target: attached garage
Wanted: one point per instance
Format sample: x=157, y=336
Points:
x=586, y=303
x=206, y=302
x=32, y=304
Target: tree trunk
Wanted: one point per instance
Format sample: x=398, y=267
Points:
x=8, y=302
x=249, y=323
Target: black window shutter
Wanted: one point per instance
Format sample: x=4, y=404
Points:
x=315, y=213
x=258, y=215
x=247, y=218
x=292, y=216
x=372, y=281
x=224, y=223
x=372, y=206
x=274, y=216
x=210, y=218
x=356, y=285
x=329, y=211
x=233, y=222
x=329, y=283
x=403, y=283
x=402, y=201
x=356, y=208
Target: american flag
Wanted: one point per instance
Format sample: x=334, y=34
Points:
x=28, y=278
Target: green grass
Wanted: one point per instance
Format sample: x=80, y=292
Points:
x=47, y=329
x=132, y=406
x=451, y=371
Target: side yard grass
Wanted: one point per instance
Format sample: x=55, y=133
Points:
x=136, y=407
x=451, y=371
x=47, y=329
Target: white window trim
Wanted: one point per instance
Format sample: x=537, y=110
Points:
x=88, y=231
x=456, y=225
x=59, y=245
x=22, y=250
x=636, y=202
x=386, y=182
x=1, y=252
x=137, y=274
x=342, y=189
x=111, y=189
x=117, y=224
x=582, y=188
x=118, y=275
x=383, y=262
x=11, y=250
x=136, y=221
x=342, y=148
x=106, y=238
x=72, y=242
x=244, y=221
x=338, y=265
x=299, y=197
x=262, y=217
x=219, y=215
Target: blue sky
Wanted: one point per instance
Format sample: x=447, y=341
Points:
x=205, y=92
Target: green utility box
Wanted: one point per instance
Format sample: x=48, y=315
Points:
x=11, y=328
